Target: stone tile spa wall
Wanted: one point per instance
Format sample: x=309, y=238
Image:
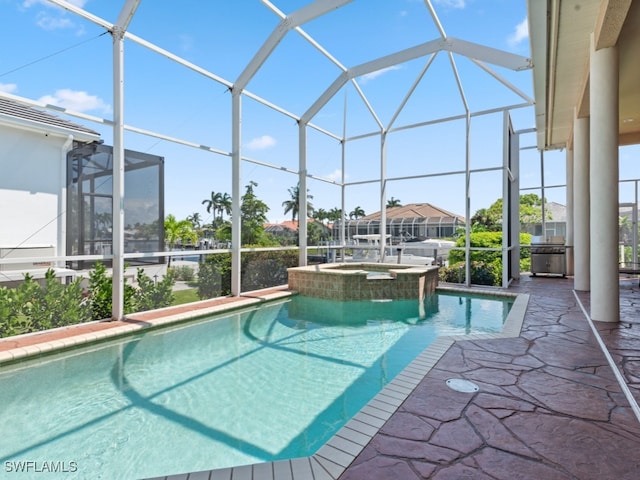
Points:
x=363, y=281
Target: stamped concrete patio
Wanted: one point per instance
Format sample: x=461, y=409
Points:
x=548, y=406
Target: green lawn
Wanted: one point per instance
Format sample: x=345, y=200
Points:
x=185, y=296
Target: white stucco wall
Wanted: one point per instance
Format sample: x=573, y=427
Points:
x=32, y=173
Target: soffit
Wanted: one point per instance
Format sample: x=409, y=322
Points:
x=562, y=79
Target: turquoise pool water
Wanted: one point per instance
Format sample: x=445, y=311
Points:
x=256, y=385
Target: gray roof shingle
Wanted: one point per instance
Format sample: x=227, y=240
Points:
x=24, y=112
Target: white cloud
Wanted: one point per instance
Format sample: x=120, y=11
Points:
x=521, y=33
x=76, y=100
x=8, y=87
x=53, y=17
x=50, y=22
x=452, y=3
x=46, y=3
x=373, y=75
x=261, y=143
x=336, y=175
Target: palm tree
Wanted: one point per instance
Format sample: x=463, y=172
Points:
x=357, y=213
x=321, y=215
x=335, y=214
x=224, y=205
x=393, y=202
x=213, y=203
x=195, y=220
x=293, y=204
x=178, y=230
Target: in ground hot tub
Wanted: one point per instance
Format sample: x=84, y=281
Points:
x=364, y=281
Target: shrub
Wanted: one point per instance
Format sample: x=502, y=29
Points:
x=31, y=307
x=481, y=273
x=486, y=266
x=214, y=276
x=151, y=295
x=184, y=273
x=259, y=270
x=100, y=290
x=266, y=269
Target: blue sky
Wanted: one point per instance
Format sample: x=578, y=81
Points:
x=51, y=55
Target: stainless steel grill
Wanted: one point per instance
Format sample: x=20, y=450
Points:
x=548, y=258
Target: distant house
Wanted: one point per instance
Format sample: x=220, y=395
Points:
x=416, y=221
x=287, y=231
x=56, y=191
x=555, y=224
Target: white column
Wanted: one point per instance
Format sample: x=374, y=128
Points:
x=569, y=212
x=117, y=292
x=236, y=214
x=302, y=194
x=603, y=93
x=383, y=194
x=581, y=205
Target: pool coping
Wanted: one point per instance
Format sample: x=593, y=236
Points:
x=333, y=458
x=134, y=323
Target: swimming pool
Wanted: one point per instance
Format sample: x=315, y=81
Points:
x=256, y=385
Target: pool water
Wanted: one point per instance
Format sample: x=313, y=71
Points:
x=256, y=385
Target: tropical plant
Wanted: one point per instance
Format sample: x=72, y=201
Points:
x=196, y=220
x=490, y=219
x=100, y=293
x=178, y=231
x=321, y=215
x=224, y=205
x=253, y=213
x=258, y=270
x=486, y=265
x=335, y=215
x=212, y=204
x=151, y=295
x=218, y=204
x=356, y=213
x=293, y=204
x=393, y=202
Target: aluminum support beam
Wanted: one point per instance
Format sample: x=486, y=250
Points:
x=297, y=18
x=236, y=214
x=514, y=177
x=302, y=194
x=126, y=14
x=383, y=194
x=117, y=294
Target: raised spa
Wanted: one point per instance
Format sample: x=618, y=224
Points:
x=364, y=281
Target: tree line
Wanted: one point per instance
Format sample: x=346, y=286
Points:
x=253, y=219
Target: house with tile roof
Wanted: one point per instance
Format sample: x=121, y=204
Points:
x=415, y=221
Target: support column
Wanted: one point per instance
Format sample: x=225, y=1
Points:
x=581, y=205
x=302, y=195
x=117, y=292
x=383, y=194
x=569, y=214
x=236, y=214
x=603, y=92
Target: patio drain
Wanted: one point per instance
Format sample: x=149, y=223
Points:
x=462, y=385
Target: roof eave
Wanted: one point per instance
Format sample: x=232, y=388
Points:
x=46, y=129
x=538, y=28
